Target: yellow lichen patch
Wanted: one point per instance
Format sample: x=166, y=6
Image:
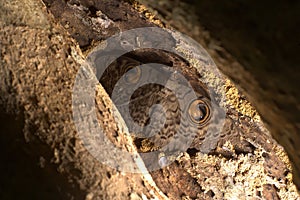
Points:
x=236, y=100
x=289, y=188
x=279, y=151
x=147, y=13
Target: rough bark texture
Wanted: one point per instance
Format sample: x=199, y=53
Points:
x=39, y=62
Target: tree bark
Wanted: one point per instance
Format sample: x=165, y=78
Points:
x=39, y=63
x=42, y=48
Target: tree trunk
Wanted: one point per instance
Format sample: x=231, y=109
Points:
x=43, y=45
